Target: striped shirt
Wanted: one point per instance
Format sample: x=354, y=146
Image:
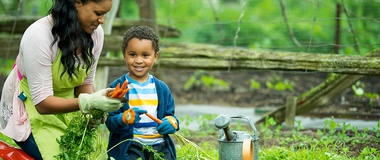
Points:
x=144, y=96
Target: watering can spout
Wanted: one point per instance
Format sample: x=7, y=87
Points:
x=222, y=122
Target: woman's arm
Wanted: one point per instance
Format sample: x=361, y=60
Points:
x=87, y=88
x=56, y=105
x=53, y=105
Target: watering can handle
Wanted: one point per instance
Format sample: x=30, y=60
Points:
x=247, y=153
x=249, y=121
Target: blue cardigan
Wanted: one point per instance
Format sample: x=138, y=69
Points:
x=120, y=131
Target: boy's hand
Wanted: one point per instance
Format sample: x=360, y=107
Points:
x=169, y=125
x=132, y=115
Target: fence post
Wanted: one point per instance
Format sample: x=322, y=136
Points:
x=290, y=111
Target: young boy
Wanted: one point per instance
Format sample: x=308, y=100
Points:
x=130, y=124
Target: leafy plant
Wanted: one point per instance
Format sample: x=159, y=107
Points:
x=79, y=140
x=371, y=97
x=189, y=150
x=255, y=85
x=369, y=153
x=279, y=84
x=202, y=80
x=156, y=155
x=358, y=89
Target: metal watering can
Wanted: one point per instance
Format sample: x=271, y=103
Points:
x=236, y=145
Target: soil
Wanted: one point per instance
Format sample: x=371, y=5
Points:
x=239, y=92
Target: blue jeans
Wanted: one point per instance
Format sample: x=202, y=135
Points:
x=30, y=147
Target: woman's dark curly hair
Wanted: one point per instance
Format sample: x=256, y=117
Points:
x=140, y=32
x=69, y=35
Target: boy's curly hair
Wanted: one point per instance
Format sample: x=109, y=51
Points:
x=140, y=32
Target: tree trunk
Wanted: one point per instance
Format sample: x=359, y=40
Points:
x=147, y=12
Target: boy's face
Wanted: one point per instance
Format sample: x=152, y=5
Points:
x=139, y=56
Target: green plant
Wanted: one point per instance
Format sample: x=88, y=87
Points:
x=342, y=135
x=371, y=97
x=377, y=130
x=255, y=85
x=332, y=126
x=369, y=153
x=202, y=80
x=81, y=141
x=359, y=89
x=204, y=124
x=265, y=129
x=189, y=150
x=156, y=155
x=276, y=82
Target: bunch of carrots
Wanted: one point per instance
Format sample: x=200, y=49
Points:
x=119, y=92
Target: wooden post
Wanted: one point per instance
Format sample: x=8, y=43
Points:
x=290, y=112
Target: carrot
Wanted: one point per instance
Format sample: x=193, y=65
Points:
x=117, y=86
x=124, y=86
x=110, y=93
x=123, y=93
x=128, y=116
x=119, y=92
x=116, y=93
x=153, y=118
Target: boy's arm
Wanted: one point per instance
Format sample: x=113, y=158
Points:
x=115, y=123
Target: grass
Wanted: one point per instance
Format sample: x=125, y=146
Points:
x=333, y=142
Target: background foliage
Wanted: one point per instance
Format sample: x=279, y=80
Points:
x=262, y=24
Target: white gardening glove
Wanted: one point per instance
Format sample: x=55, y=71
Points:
x=98, y=100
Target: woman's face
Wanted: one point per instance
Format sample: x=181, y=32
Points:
x=140, y=58
x=91, y=14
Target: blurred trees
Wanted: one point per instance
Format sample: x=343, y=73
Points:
x=313, y=23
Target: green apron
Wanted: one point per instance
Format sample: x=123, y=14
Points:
x=47, y=129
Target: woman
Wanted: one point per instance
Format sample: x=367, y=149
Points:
x=53, y=76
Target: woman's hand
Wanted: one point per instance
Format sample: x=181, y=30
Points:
x=98, y=100
x=94, y=123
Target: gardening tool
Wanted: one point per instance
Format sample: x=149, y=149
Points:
x=236, y=144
